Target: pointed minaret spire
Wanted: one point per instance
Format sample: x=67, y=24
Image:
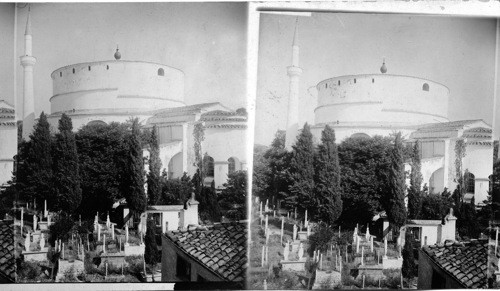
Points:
x=27, y=31
x=294, y=72
x=28, y=62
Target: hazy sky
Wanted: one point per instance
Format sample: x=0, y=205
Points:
x=457, y=52
x=206, y=41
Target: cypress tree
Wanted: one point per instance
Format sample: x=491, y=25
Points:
x=154, y=185
x=134, y=172
x=36, y=174
x=409, y=267
x=151, y=253
x=414, y=192
x=302, y=171
x=394, y=202
x=327, y=178
x=66, y=168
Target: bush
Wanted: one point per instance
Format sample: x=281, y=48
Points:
x=69, y=275
x=61, y=228
x=392, y=278
x=321, y=238
x=29, y=272
x=135, y=264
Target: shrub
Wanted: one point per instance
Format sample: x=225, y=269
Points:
x=69, y=275
x=135, y=264
x=29, y=272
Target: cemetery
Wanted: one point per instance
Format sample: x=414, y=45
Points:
x=282, y=256
x=105, y=253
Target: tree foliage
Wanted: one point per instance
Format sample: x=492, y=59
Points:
x=394, y=202
x=175, y=191
x=233, y=197
x=301, y=172
x=409, y=267
x=151, y=253
x=133, y=182
x=436, y=206
x=102, y=151
x=327, y=179
x=364, y=167
x=153, y=179
x=414, y=191
x=35, y=168
x=66, y=168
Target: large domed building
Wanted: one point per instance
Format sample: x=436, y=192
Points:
x=117, y=90
x=381, y=104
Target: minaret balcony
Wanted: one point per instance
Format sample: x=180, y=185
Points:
x=294, y=71
x=28, y=61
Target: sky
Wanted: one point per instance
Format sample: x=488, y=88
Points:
x=457, y=52
x=206, y=41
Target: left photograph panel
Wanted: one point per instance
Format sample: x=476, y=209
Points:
x=123, y=153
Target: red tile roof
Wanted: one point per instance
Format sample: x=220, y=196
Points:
x=466, y=262
x=221, y=248
x=7, y=260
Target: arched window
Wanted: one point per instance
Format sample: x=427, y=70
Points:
x=470, y=181
x=161, y=72
x=425, y=87
x=373, y=80
x=60, y=74
x=107, y=67
x=73, y=70
x=231, y=166
x=89, y=68
x=354, y=81
x=208, y=165
x=338, y=83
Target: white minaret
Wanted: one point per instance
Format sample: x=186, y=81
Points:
x=28, y=62
x=294, y=72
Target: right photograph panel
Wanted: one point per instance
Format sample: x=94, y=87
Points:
x=375, y=164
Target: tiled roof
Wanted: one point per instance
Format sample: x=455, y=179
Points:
x=220, y=248
x=165, y=207
x=448, y=125
x=466, y=262
x=195, y=107
x=7, y=260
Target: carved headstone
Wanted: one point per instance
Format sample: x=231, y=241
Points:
x=286, y=251
x=301, y=251
x=27, y=241
x=294, y=232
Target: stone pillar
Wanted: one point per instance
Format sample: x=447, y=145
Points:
x=385, y=248
x=221, y=169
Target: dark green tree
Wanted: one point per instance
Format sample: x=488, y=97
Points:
x=35, y=168
x=133, y=182
x=276, y=169
x=327, y=179
x=460, y=152
x=153, y=180
x=364, y=167
x=175, y=191
x=209, y=207
x=414, y=191
x=151, y=253
x=66, y=168
x=409, y=267
x=301, y=172
x=394, y=202
x=232, y=199
x=102, y=151
x=436, y=206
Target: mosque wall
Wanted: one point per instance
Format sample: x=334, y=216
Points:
x=390, y=99
x=116, y=85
